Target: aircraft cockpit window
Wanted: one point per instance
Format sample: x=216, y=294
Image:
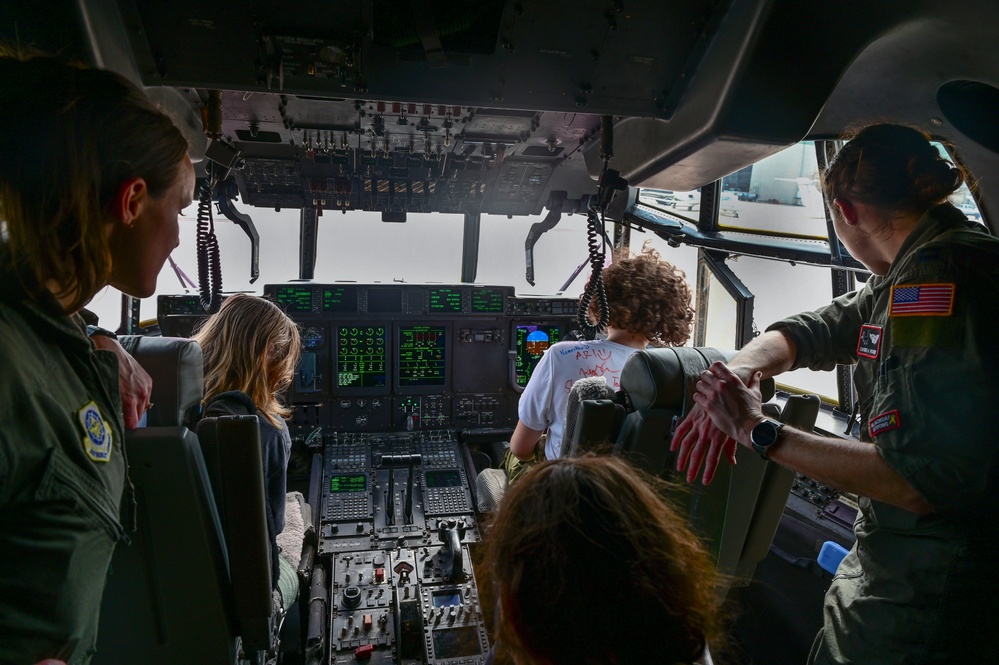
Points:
x=558, y=254
x=963, y=198
x=780, y=194
x=781, y=289
x=966, y=203
x=682, y=203
x=718, y=321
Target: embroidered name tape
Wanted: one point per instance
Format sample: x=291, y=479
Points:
x=922, y=300
x=886, y=421
x=97, y=439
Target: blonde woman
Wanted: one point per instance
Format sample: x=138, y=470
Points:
x=251, y=349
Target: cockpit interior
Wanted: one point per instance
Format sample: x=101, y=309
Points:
x=608, y=109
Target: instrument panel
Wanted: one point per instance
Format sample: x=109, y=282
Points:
x=401, y=357
x=396, y=522
x=391, y=377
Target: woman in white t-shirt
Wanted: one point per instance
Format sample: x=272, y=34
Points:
x=649, y=303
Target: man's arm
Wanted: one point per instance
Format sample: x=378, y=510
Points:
x=697, y=438
x=135, y=384
x=852, y=466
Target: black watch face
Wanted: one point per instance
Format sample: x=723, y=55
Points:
x=765, y=434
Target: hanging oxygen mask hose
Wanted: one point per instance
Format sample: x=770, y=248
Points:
x=209, y=262
x=610, y=182
x=221, y=159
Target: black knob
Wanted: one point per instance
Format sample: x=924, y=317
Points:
x=351, y=597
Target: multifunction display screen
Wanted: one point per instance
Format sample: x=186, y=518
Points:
x=532, y=341
x=340, y=299
x=456, y=642
x=356, y=482
x=422, y=356
x=445, y=301
x=487, y=301
x=447, y=598
x=385, y=301
x=448, y=478
x=296, y=299
x=361, y=357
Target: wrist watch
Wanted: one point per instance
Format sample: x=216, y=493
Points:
x=765, y=435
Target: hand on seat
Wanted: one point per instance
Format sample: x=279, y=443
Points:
x=135, y=384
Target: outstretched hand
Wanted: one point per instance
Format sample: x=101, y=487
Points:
x=712, y=429
x=699, y=440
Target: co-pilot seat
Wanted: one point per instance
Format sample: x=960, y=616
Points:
x=737, y=515
x=172, y=595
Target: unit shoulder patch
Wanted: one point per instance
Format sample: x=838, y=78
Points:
x=97, y=440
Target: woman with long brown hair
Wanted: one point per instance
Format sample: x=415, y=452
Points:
x=586, y=564
x=251, y=349
x=92, y=180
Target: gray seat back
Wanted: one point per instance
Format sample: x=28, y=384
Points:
x=738, y=513
x=177, y=368
x=168, y=597
x=232, y=453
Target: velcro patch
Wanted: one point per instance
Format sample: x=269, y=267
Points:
x=886, y=421
x=97, y=441
x=869, y=343
x=922, y=300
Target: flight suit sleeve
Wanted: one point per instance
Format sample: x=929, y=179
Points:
x=535, y=408
x=827, y=336
x=932, y=418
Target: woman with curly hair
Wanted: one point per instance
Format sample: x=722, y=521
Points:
x=649, y=303
x=587, y=564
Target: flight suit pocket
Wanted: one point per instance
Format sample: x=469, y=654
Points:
x=66, y=484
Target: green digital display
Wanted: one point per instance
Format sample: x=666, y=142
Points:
x=445, y=300
x=294, y=298
x=485, y=301
x=422, y=360
x=357, y=482
x=361, y=357
x=340, y=299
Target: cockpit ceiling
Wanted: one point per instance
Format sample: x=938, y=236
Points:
x=592, y=56
x=697, y=88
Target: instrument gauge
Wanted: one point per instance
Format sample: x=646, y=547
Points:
x=313, y=337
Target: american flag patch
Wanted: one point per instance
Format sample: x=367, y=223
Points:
x=922, y=300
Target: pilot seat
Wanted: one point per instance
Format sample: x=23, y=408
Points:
x=192, y=583
x=738, y=513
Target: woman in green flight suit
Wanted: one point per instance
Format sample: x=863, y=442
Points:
x=92, y=180
x=919, y=585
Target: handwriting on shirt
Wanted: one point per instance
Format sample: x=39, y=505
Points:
x=601, y=358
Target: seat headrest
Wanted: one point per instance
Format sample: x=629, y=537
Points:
x=177, y=368
x=661, y=378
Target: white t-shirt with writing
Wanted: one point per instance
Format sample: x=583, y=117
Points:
x=545, y=400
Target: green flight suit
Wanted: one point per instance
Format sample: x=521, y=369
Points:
x=919, y=589
x=62, y=475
